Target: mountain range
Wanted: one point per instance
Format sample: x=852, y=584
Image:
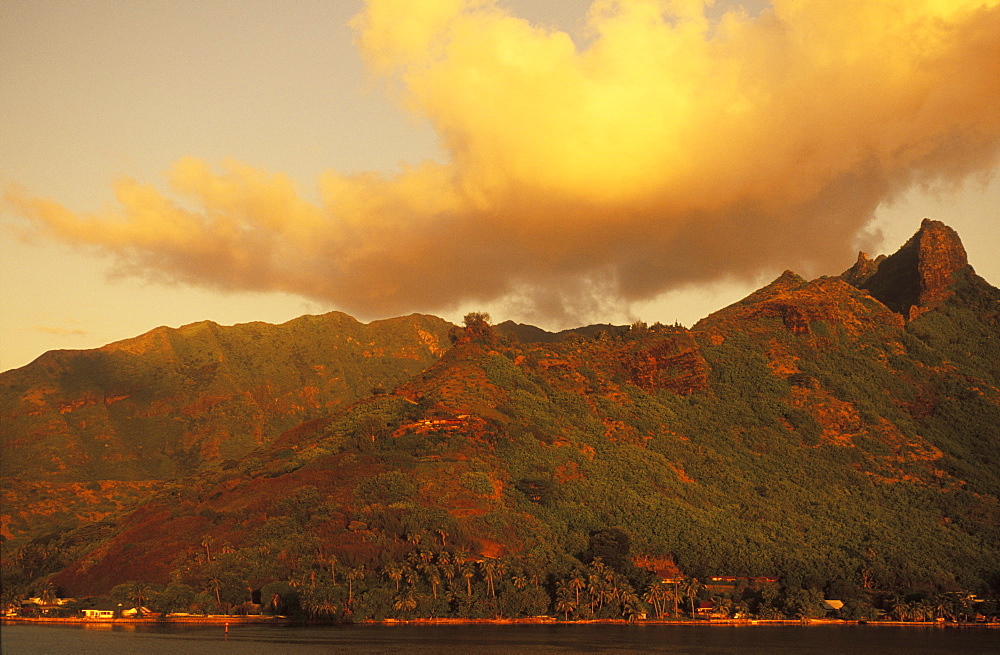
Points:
x=836, y=434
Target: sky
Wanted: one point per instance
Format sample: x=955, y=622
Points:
x=552, y=162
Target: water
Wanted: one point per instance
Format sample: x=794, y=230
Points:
x=460, y=639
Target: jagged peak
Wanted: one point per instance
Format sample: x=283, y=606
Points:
x=916, y=277
x=863, y=269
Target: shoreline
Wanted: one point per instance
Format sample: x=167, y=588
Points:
x=212, y=619
x=286, y=621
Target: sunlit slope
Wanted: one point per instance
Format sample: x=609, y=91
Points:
x=166, y=403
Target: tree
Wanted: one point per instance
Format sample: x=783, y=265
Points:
x=405, y=602
x=632, y=607
x=805, y=603
x=434, y=578
x=564, y=600
x=333, y=569
x=138, y=595
x=477, y=328
x=206, y=542
x=658, y=595
x=394, y=572
x=491, y=569
x=214, y=584
x=47, y=595
x=690, y=588
x=356, y=573
x=611, y=546
x=476, y=320
x=600, y=590
x=466, y=570
x=576, y=583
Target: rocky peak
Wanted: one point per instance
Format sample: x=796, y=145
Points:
x=916, y=277
x=863, y=269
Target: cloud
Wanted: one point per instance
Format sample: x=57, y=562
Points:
x=670, y=149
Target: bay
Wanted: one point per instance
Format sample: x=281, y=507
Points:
x=17, y=639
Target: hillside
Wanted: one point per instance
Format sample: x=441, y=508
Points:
x=87, y=433
x=818, y=432
x=168, y=402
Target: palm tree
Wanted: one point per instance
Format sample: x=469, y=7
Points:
x=405, y=602
x=564, y=601
x=448, y=570
x=576, y=583
x=47, y=595
x=632, y=608
x=723, y=605
x=138, y=594
x=657, y=595
x=214, y=584
x=691, y=587
x=206, y=542
x=434, y=578
x=333, y=569
x=599, y=591
x=356, y=573
x=962, y=605
x=491, y=568
x=395, y=573
x=465, y=568
x=895, y=603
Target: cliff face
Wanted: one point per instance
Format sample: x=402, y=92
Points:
x=918, y=276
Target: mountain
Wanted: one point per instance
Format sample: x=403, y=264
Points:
x=919, y=275
x=88, y=433
x=836, y=434
x=171, y=401
x=530, y=333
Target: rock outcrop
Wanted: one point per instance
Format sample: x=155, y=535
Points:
x=862, y=270
x=918, y=276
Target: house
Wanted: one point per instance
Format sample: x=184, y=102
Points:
x=832, y=606
x=51, y=608
x=102, y=611
x=442, y=423
x=133, y=612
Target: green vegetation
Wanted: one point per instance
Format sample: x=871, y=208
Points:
x=840, y=457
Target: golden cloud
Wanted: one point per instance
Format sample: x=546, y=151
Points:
x=671, y=149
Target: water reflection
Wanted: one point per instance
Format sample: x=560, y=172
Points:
x=488, y=639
